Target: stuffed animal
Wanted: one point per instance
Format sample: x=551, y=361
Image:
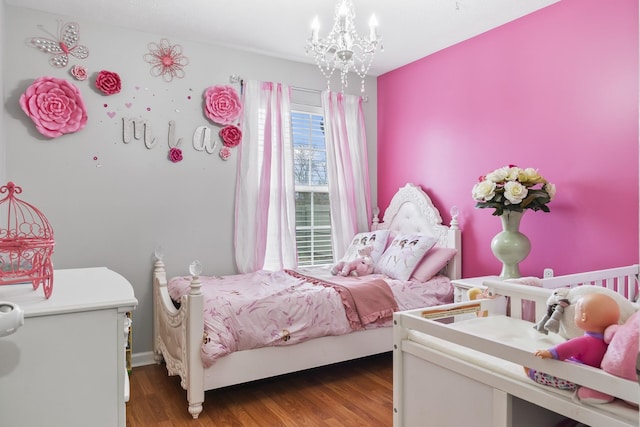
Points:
x=478, y=293
x=556, y=303
x=361, y=266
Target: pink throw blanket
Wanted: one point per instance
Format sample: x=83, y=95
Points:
x=365, y=300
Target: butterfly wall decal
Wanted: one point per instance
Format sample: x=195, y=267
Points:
x=62, y=45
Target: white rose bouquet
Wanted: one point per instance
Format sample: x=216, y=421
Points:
x=513, y=189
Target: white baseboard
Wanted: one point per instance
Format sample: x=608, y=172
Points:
x=142, y=359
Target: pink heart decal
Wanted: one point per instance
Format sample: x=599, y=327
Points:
x=128, y=105
x=111, y=114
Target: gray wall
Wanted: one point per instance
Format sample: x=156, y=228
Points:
x=114, y=210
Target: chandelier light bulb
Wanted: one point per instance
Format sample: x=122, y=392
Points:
x=373, y=28
x=315, y=27
x=343, y=10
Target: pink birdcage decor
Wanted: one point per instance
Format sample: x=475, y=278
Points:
x=26, y=242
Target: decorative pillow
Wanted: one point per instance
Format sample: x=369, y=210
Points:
x=433, y=261
x=568, y=328
x=620, y=358
x=376, y=239
x=403, y=254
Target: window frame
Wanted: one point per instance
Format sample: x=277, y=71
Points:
x=317, y=254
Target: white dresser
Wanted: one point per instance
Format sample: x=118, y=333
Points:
x=66, y=366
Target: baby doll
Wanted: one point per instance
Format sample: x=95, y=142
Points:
x=594, y=313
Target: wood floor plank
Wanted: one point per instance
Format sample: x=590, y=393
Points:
x=355, y=393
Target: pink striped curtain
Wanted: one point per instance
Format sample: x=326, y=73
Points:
x=347, y=168
x=265, y=194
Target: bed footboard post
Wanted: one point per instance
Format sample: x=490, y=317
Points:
x=399, y=334
x=454, y=268
x=159, y=280
x=195, y=335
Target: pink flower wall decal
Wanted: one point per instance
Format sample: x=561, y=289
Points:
x=55, y=106
x=167, y=60
x=231, y=136
x=79, y=72
x=108, y=82
x=175, y=154
x=222, y=104
x=225, y=153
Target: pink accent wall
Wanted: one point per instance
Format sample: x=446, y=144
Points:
x=555, y=90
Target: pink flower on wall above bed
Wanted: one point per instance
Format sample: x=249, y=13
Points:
x=167, y=60
x=78, y=72
x=231, y=136
x=108, y=82
x=175, y=154
x=55, y=106
x=225, y=153
x=222, y=104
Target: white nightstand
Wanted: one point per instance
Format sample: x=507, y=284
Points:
x=461, y=286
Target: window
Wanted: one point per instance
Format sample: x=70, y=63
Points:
x=313, y=217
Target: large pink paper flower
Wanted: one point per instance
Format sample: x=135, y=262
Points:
x=108, y=82
x=55, y=106
x=222, y=104
x=231, y=135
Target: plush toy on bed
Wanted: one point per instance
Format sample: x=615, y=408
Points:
x=556, y=304
x=361, y=266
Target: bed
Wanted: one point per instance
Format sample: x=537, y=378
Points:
x=473, y=367
x=183, y=330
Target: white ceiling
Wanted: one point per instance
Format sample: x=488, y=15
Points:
x=410, y=29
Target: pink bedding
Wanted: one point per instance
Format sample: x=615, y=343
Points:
x=275, y=308
x=365, y=299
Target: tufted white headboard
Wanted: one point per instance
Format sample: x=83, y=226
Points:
x=412, y=211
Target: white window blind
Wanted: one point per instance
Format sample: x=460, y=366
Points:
x=313, y=216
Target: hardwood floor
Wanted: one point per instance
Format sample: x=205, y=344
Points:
x=355, y=393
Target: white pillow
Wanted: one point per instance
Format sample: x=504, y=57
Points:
x=377, y=239
x=403, y=254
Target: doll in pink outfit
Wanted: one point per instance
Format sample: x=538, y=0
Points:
x=594, y=313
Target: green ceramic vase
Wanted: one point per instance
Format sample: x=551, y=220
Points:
x=510, y=246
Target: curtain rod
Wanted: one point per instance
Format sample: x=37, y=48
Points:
x=234, y=78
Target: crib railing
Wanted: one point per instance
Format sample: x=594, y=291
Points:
x=623, y=280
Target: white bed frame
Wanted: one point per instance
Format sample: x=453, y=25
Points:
x=437, y=384
x=178, y=333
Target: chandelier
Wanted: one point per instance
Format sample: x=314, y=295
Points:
x=343, y=48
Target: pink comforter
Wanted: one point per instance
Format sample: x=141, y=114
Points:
x=365, y=299
x=274, y=308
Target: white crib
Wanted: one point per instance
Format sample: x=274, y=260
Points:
x=470, y=372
